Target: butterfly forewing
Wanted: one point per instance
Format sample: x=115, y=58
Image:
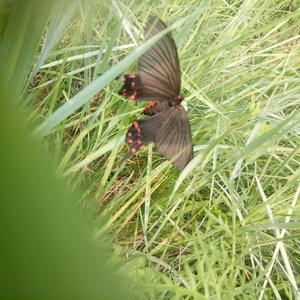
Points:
x=159, y=77
x=159, y=67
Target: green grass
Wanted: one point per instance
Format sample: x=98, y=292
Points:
x=227, y=227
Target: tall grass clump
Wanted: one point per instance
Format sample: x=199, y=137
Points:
x=227, y=227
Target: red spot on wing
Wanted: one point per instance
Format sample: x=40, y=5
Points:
x=131, y=75
x=148, y=109
x=133, y=150
x=133, y=96
x=136, y=124
x=129, y=134
x=130, y=141
x=150, y=105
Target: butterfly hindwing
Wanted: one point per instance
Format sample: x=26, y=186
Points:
x=155, y=107
x=174, y=139
x=169, y=130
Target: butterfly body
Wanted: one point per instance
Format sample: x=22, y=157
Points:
x=176, y=100
x=159, y=81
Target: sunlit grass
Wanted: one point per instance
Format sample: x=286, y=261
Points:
x=228, y=225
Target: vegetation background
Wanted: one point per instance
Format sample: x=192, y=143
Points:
x=227, y=227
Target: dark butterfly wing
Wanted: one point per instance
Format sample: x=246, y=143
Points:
x=159, y=77
x=174, y=139
x=169, y=130
x=132, y=88
x=159, y=67
x=155, y=107
x=159, y=80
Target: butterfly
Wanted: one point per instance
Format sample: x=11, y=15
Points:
x=159, y=80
